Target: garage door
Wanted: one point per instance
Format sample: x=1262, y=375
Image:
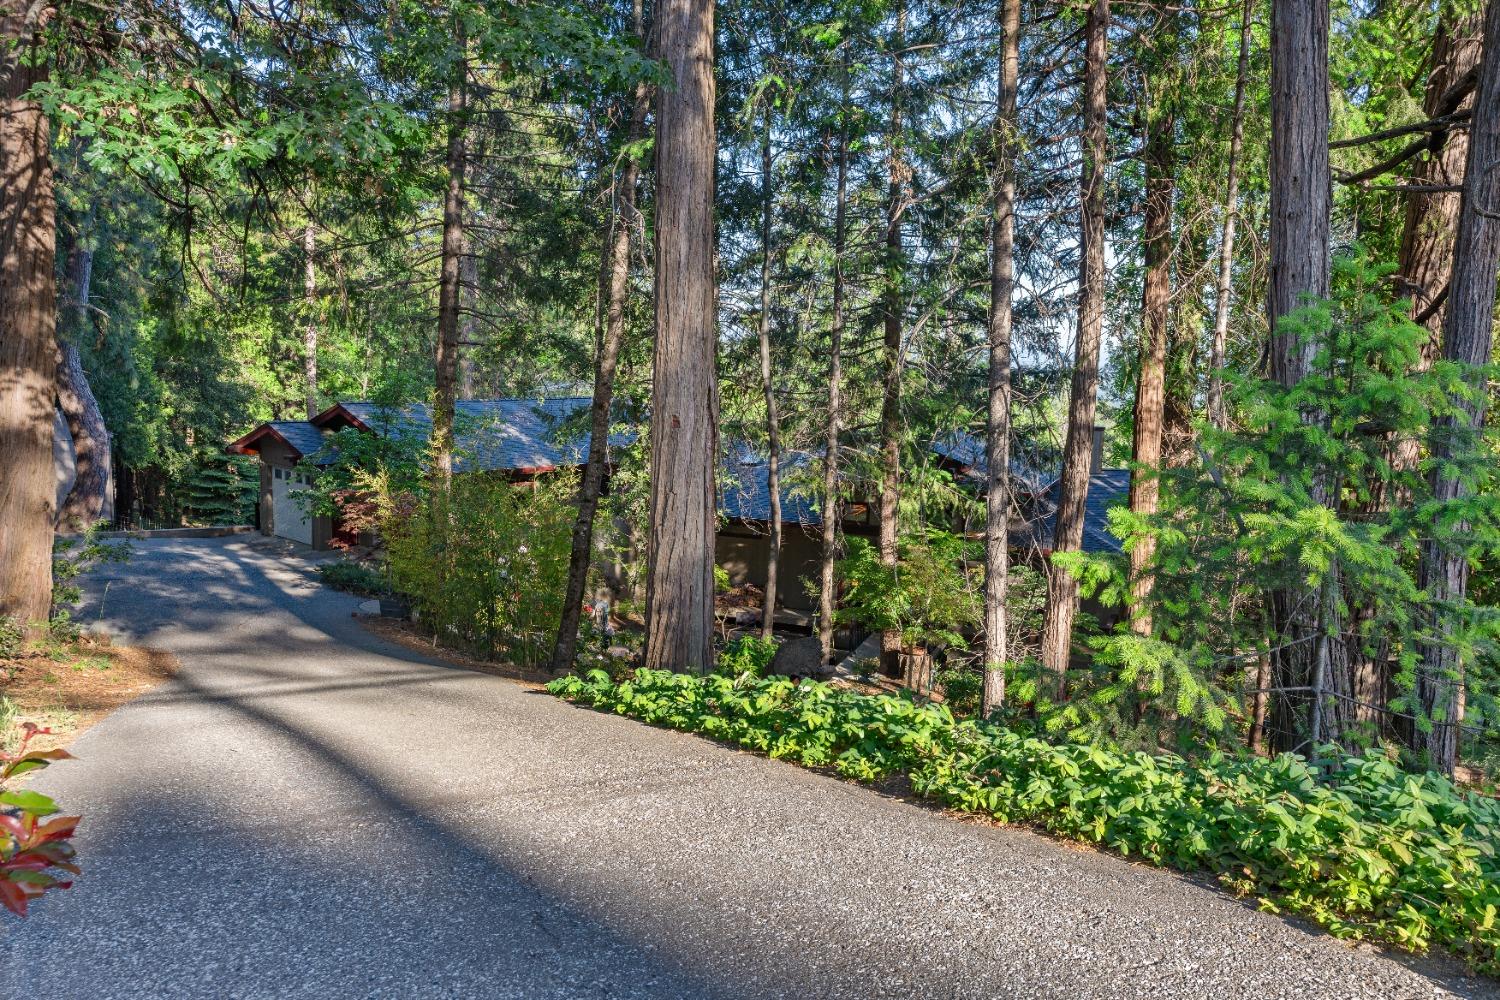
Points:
x=288, y=519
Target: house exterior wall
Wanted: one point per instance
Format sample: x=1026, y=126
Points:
x=744, y=550
x=275, y=455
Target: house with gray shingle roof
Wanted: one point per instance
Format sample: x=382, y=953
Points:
x=524, y=438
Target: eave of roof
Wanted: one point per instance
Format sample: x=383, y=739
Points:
x=245, y=445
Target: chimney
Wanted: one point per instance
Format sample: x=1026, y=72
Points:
x=1096, y=459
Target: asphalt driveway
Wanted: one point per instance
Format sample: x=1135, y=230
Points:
x=310, y=811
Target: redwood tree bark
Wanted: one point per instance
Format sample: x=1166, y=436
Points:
x=445, y=362
x=830, y=508
x=891, y=302
x=768, y=390
x=614, y=281
x=1468, y=331
x=684, y=397
x=1309, y=666
x=28, y=352
x=1073, y=487
x=88, y=501
x=997, y=422
x=1150, y=392
x=1220, y=342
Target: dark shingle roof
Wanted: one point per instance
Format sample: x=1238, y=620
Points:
x=1107, y=487
x=745, y=492
x=300, y=434
x=492, y=434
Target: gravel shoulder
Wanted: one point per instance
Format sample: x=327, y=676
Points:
x=309, y=810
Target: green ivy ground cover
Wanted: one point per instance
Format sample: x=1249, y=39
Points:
x=1368, y=851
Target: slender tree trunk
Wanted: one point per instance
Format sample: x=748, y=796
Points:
x=1150, y=393
x=1468, y=331
x=1300, y=200
x=310, y=301
x=28, y=351
x=1073, y=487
x=830, y=511
x=1225, y=289
x=773, y=425
x=997, y=422
x=449, y=291
x=684, y=396
x=88, y=501
x=468, y=326
x=614, y=282
x=891, y=306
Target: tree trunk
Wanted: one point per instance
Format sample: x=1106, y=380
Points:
x=997, y=422
x=446, y=356
x=1300, y=178
x=310, y=302
x=1425, y=265
x=1468, y=330
x=1073, y=487
x=1426, y=255
x=773, y=426
x=1304, y=668
x=684, y=394
x=88, y=501
x=468, y=326
x=1220, y=342
x=1150, y=393
x=830, y=511
x=614, y=281
x=28, y=351
x=891, y=307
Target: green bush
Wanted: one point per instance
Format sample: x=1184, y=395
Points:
x=746, y=654
x=1366, y=851
x=487, y=573
x=356, y=578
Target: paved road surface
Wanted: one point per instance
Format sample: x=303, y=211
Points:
x=309, y=811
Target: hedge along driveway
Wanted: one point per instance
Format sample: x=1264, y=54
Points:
x=1367, y=852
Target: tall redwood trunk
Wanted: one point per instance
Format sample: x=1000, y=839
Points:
x=88, y=501
x=310, y=302
x=891, y=307
x=1073, y=487
x=684, y=393
x=830, y=507
x=768, y=389
x=997, y=420
x=1425, y=264
x=1220, y=342
x=1150, y=393
x=449, y=290
x=28, y=351
x=1468, y=331
x=1308, y=667
x=614, y=281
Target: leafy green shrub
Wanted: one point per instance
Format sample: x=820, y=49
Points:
x=356, y=578
x=1367, y=852
x=927, y=597
x=746, y=654
x=12, y=637
x=487, y=573
x=962, y=688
